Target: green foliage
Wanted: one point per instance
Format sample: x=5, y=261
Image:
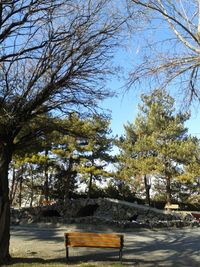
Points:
x=120, y=189
x=95, y=155
x=70, y=151
x=157, y=143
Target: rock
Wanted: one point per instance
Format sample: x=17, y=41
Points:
x=101, y=211
x=88, y=210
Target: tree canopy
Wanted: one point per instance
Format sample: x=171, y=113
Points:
x=157, y=142
x=55, y=56
x=170, y=46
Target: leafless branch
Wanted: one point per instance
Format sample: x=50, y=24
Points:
x=174, y=55
x=55, y=57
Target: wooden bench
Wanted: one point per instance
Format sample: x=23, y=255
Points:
x=172, y=207
x=95, y=240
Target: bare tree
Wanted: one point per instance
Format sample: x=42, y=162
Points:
x=172, y=51
x=54, y=57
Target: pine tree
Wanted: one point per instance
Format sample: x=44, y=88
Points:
x=95, y=155
x=157, y=142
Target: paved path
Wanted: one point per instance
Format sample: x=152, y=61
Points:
x=145, y=248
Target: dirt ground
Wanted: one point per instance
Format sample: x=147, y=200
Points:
x=145, y=248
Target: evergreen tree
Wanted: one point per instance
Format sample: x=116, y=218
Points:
x=191, y=177
x=82, y=154
x=67, y=151
x=95, y=156
x=157, y=143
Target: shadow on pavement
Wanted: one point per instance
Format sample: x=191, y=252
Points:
x=166, y=248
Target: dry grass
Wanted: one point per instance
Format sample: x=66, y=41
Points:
x=59, y=264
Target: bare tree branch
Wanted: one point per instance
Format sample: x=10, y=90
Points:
x=54, y=56
x=172, y=55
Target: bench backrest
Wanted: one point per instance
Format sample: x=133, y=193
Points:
x=98, y=240
x=172, y=206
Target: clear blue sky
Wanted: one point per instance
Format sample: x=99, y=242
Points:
x=124, y=109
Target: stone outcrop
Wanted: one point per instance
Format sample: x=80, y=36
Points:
x=102, y=211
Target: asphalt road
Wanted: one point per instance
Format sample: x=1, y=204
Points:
x=145, y=248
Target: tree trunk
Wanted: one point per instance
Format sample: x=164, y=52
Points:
x=67, y=187
x=168, y=191
x=90, y=186
x=147, y=190
x=5, y=158
x=20, y=186
x=46, y=175
x=32, y=184
x=12, y=191
x=67, y=180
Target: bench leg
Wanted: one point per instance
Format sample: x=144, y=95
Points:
x=67, y=253
x=120, y=254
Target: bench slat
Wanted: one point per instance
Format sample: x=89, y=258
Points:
x=172, y=206
x=94, y=241
x=94, y=244
x=80, y=234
